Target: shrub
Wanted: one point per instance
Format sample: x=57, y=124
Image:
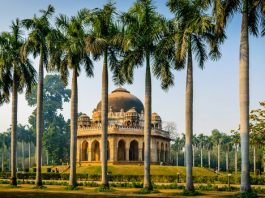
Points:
x=104, y=189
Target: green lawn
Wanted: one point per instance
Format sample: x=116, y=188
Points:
x=138, y=170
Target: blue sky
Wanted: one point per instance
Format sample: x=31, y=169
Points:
x=216, y=98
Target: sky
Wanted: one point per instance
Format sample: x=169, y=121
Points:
x=216, y=87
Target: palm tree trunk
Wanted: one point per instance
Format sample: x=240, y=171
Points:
x=74, y=109
x=193, y=154
x=177, y=158
x=104, y=120
x=226, y=160
x=3, y=154
x=201, y=159
x=39, y=122
x=209, y=158
x=254, y=159
x=14, y=131
x=244, y=100
x=47, y=157
x=147, y=124
x=29, y=155
x=218, y=157
x=236, y=158
x=23, y=155
x=189, y=122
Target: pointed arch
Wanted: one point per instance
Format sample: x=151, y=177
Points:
x=84, y=156
x=133, y=152
x=95, y=151
x=121, y=150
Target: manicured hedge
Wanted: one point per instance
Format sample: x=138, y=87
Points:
x=234, y=179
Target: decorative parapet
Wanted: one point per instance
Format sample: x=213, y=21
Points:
x=116, y=129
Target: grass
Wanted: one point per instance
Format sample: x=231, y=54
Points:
x=138, y=170
x=104, y=189
x=147, y=191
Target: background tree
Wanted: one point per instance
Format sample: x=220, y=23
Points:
x=226, y=146
x=22, y=74
x=209, y=146
x=39, y=29
x=177, y=146
x=56, y=132
x=257, y=130
x=23, y=136
x=202, y=139
x=236, y=140
x=216, y=136
x=5, y=146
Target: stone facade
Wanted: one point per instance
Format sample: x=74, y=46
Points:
x=125, y=133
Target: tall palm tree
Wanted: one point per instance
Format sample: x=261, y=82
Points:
x=36, y=44
x=217, y=139
x=103, y=42
x=195, y=32
x=202, y=144
x=68, y=51
x=236, y=141
x=253, y=17
x=143, y=32
x=226, y=146
x=178, y=146
x=209, y=146
x=22, y=75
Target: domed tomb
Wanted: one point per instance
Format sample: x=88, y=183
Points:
x=122, y=99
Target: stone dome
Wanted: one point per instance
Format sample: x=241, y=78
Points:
x=83, y=118
x=121, y=98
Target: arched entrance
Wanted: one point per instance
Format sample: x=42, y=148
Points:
x=133, y=152
x=121, y=151
x=95, y=151
x=84, y=151
x=162, y=156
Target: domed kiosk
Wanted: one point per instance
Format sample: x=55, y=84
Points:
x=125, y=133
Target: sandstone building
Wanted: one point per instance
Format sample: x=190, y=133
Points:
x=125, y=133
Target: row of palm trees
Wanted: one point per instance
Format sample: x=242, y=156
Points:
x=126, y=41
x=209, y=148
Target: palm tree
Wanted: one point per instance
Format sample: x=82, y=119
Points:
x=216, y=137
x=253, y=17
x=178, y=146
x=226, y=146
x=195, y=144
x=143, y=30
x=209, y=146
x=22, y=74
x=202, y=143
x=195, y=32
x=104, y=41
x=36, y=44
x=68, y=51
x=236, y=141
